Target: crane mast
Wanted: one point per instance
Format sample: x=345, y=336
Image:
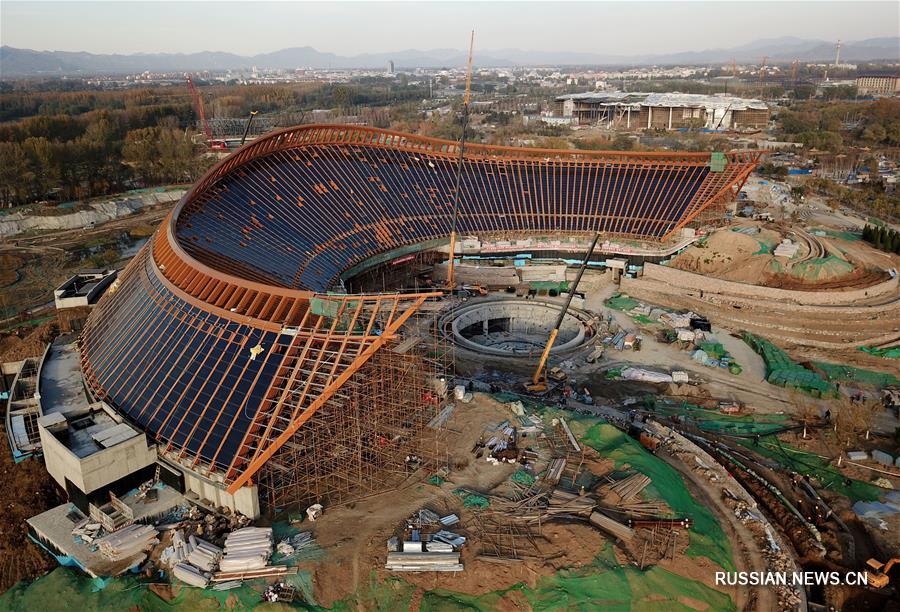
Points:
x=451, y=280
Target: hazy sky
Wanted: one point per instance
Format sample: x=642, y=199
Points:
x=349, y=28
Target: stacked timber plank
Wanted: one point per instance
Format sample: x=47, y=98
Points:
x=612, y=527
x=562, y=502
x=127, y=542
x=624, y=496
x=630, y=487
x=426, y=561
x=247, y=549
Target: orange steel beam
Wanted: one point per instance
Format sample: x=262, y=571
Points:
x=326, y=394
x=740, y=178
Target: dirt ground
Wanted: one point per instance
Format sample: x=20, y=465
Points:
x=27, y=490
x=26, y=342
x=355, y=535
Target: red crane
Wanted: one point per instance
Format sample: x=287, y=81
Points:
x=198, y=104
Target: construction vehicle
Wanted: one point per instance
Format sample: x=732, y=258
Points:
x=642, y=435
x=451, y=280
x=247, y=129
x=214, y=143
x=475, y=289
x=538, y=382
x=879, y=574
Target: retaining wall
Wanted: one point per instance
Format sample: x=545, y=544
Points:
x=689, y=280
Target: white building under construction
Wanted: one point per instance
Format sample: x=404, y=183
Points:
x=636, y=111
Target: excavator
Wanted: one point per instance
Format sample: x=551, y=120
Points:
x=539, y=382
x=879, y=574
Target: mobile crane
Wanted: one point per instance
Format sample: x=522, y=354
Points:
x=538, y=382
x=213, y=143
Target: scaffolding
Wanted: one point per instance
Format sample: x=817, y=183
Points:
x=372, y=435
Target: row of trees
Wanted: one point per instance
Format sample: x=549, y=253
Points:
x=832, y=126
x=883, y=238
x=105, y=158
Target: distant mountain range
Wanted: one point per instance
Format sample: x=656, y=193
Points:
x=25, y=62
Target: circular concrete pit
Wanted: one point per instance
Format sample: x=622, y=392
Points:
x=515, y=327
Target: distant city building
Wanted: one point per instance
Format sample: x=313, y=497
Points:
x=390, y=67
x=878, y=84
x=632, y=110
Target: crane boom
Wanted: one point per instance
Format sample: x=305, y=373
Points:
x=536, y=379
x=247, y=128
x=198, y=104
x=451, y=280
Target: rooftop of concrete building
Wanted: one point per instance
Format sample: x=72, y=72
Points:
x=669, y=100
x=83, y=282
x=84, y=427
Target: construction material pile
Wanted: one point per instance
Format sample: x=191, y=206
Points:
x=87, y=531
x=298, y=547
x=193, y=559
x=420, y=551
x=782, y=371
x=247, y=549
x=127, y=542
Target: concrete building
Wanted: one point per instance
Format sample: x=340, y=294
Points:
x=90, y=450
x=75, y=297
x=878, y=84
x=631, y=110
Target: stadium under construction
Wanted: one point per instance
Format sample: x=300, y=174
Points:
x=276, y=340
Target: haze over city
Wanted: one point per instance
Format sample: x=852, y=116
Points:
x=349, y=28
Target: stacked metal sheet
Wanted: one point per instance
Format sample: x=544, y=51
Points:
x=189, y=574
x=247, y=549
x=204, y=555
x=127, y=542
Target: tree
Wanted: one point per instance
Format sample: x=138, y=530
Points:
x=15, y=173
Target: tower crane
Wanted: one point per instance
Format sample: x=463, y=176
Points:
x=201, y=113
x=451, y=280
x=762, y=69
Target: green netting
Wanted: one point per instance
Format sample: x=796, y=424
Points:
x=645, y=320
x=714, y=349
x=833, y=371
x=388, y=594
x=718, y=422
x=331, y=308
x=816, y=467
x=843, y=235
x=548, y=285
x=436, y=481
x=706, y=538
x=782, y=371
x=602, y=585
x=472, y=500
x=886, y=353
x=621, y=302
x=717, y=162
x=822, y=268
x=65, y=589
x=523, y=477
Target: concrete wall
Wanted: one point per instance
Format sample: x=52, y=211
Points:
x=245, y=501
x=99, y=469
x=698, y=282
